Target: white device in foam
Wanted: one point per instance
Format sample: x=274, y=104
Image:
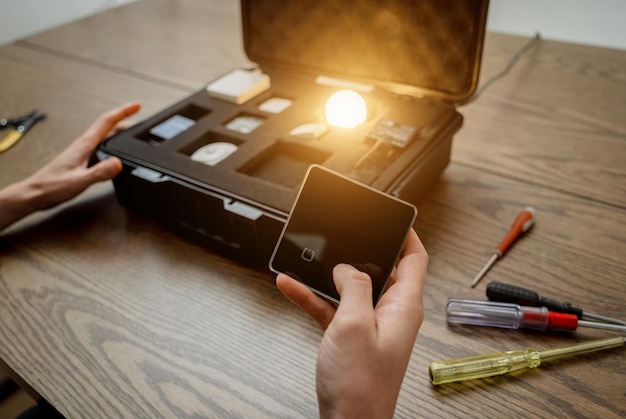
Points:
x=239, y=86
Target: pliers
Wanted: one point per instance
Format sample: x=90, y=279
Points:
x=19, y=127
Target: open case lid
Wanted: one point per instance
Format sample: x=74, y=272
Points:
x=421, y=48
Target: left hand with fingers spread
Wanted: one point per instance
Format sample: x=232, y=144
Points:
x=67, y=175
x=365, y=350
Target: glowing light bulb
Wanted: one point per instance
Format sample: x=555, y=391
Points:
x=346, y=109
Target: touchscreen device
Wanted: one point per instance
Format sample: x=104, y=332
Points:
x=337, y=220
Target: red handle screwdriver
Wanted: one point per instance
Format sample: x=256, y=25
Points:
x=514, y=316
x=524, y=221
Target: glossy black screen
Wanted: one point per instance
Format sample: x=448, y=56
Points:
x=336, y=220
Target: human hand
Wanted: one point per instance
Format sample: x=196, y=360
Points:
x=67, y=175
x=365, y=351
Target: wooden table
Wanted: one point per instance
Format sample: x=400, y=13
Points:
x=108, y=314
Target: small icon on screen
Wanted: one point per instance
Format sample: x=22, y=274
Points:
x=307, y=254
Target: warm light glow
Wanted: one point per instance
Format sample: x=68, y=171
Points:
x=345, y=109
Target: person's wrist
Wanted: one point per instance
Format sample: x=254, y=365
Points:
x=17, y=201
x=362, y=409
x=31, y=195
x=375, y=403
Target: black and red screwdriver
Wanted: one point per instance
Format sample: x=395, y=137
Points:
x=506, y=293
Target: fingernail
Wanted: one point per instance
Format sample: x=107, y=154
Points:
x=343, y=267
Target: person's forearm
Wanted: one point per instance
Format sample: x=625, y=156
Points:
x=17, y=201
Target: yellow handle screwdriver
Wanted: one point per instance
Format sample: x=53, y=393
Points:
x=504, y=362
x=523, y=222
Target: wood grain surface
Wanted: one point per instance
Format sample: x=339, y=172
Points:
x=556, y=120
x=108, y=314
x=186, y=43
x=71, y=94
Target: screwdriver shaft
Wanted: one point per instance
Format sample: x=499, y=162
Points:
x=582, y=348
x=485, y=268
x=607, y=326
x=593, y=316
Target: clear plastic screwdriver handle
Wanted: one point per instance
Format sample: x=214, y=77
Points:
x=483, y=365
x=504, y=362
x=495, y=314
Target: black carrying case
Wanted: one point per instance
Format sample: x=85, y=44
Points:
x=415, y=60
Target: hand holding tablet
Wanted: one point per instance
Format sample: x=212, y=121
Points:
x=337, y=220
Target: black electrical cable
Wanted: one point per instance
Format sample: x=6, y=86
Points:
x=506, y=70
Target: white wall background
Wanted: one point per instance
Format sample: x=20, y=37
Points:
x=21, y=18
x=591, y=22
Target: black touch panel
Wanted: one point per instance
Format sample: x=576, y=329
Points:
x=336, y=220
